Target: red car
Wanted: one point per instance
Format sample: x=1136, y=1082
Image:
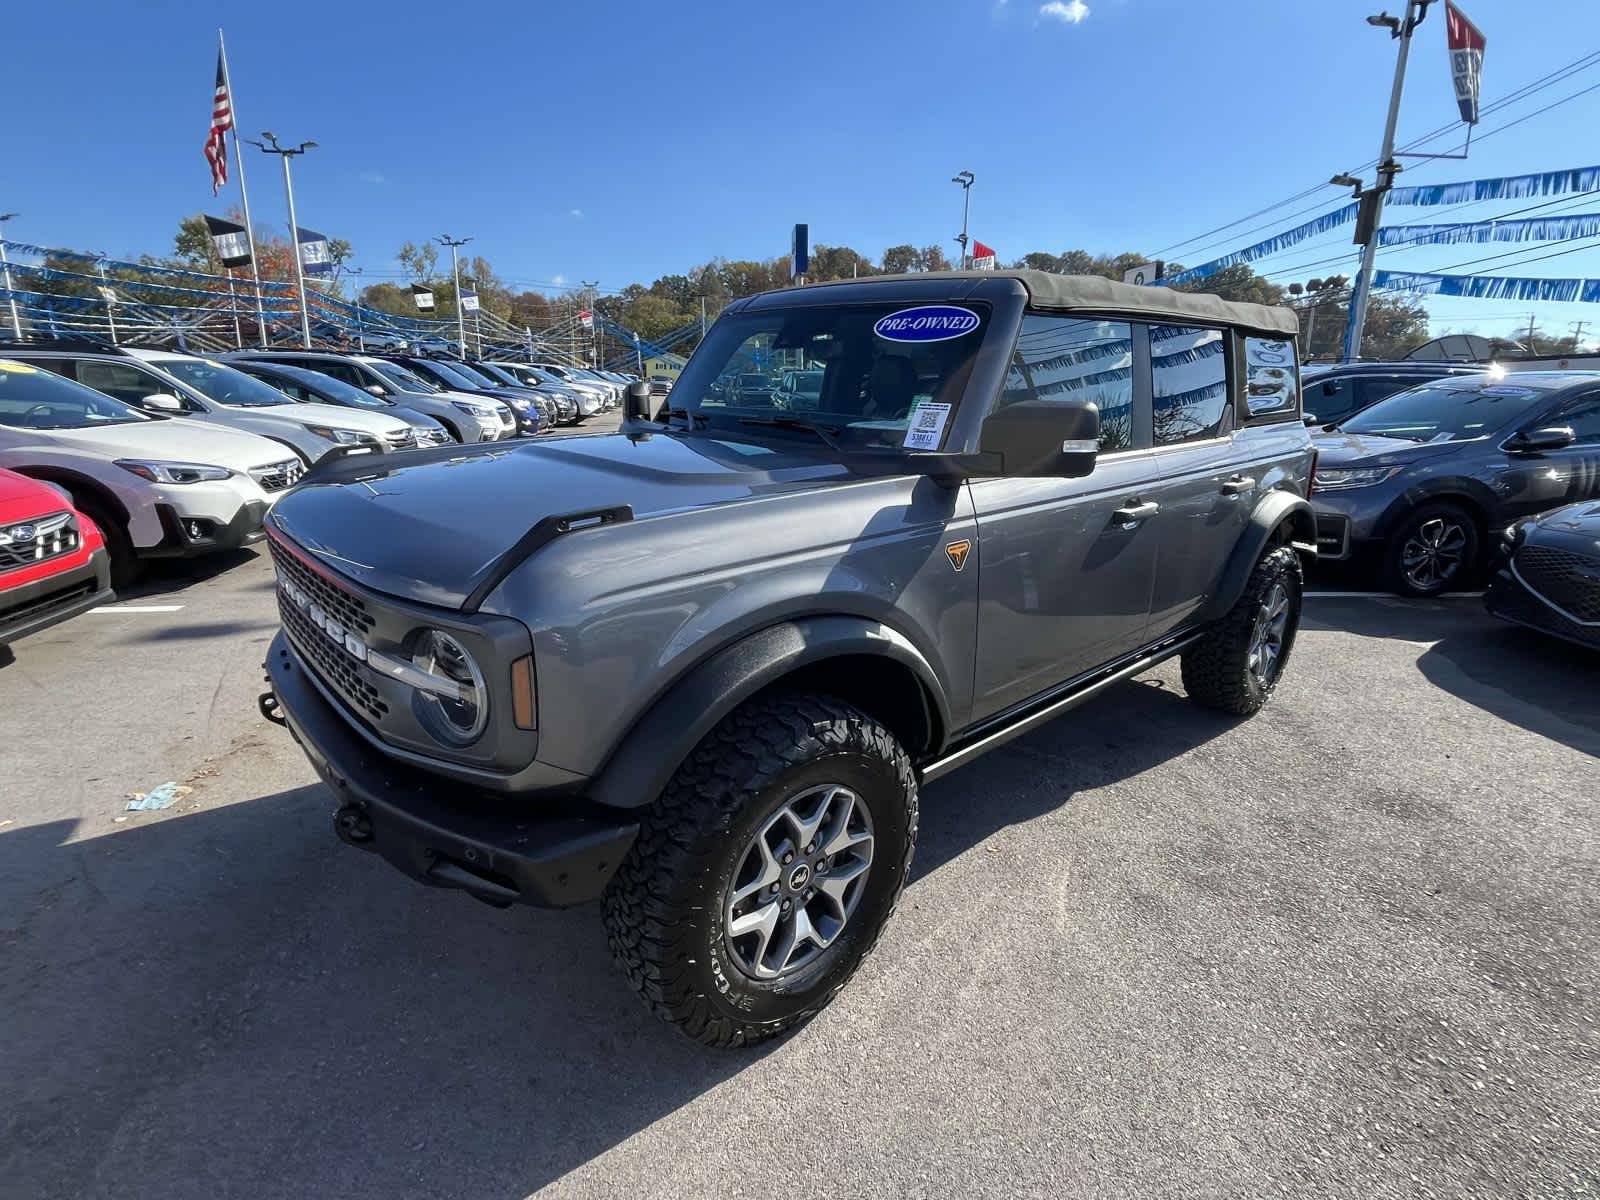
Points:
x=53, y=562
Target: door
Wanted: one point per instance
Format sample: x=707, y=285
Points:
x=1065, y=565
x=1205, y=493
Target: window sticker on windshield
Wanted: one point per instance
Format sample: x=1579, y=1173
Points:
x=18, y=368
x=926, y=427
x=1507, y=390
x=926, y=323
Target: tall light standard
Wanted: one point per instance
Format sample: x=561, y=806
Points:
x=286, y=153
x=592, y=288
x=964, y=178
x=16, y=321
x=444, y=239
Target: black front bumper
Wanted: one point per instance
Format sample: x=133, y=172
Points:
x=178, y=542
x=31, y=607
x=437, y=831
x=1510, y=600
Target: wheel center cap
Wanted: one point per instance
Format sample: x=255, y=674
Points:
x=799, y=877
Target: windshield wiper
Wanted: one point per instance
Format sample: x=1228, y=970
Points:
x=827, y=436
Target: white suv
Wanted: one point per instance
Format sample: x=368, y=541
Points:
x=157, y=487
x=209, y=391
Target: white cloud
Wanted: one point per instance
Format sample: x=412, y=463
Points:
x=559, y=280
x=371, y=177
x=1068, y=12
x=576, y=213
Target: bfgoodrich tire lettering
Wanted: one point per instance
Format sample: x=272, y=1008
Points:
x=1236, y=666
x=664, y=910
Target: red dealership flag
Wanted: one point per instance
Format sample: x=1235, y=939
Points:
x=982, y=256
x=1466, y=60
x=221, y=122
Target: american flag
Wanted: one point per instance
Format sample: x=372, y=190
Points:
x=221, y=122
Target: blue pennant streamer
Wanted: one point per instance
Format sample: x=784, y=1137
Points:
x=1489, y=287
x=1263, y=249
x=1529, y=229
x=1506, y=187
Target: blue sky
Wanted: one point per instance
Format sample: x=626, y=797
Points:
x=620, y=141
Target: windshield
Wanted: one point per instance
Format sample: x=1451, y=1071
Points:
x=326, y=387
x=406, y=381
x=449, y=374
x=887, y=375
x=471, y=373
x=498, y=373
x=35, y=399
x=1446, y=411
x=223, y=384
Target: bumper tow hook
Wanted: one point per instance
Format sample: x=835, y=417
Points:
x=352, y=825
x=267, y=702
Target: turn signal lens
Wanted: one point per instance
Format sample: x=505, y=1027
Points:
x=522, y=694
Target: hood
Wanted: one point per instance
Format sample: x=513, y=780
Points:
x=175, y=440
x=336, y=416
x=1366, y=449
x=22, y=499
x=432, y=524
x=1574, y=527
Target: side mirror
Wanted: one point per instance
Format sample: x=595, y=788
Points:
x=639, y=404
x=1532, y=441
x=1311, y=419
x=163, y=402
x=1043, y=439
x=377, y=389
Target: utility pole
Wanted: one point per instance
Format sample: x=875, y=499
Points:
x=294, y=224
x=703, y=318
x=1400, y=28
x=5, y=264
x=1533, y=347
x=444, y=239
x=244, y=197
x=1577, y=336
x=591, y=289
x=965, y=179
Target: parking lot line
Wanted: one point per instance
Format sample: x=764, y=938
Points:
x=137, y=608
x=1386, y=596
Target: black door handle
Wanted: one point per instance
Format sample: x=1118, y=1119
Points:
x=1238, y=485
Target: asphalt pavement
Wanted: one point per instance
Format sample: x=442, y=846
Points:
x=1346, y=948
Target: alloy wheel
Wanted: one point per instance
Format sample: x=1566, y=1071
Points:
x=1433, y=554
x=1268, y=633
x=798, y=881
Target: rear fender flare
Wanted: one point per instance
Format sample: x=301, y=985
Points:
x=1276, y=510
x=652, y=749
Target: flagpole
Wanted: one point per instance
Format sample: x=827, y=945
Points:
x=233, y=307
x=244, y=192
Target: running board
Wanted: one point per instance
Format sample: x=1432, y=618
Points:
x=941, y=767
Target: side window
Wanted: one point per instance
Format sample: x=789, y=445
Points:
x=1332, y=400
x=1370, y=391
x=121, y=382
x=1584, y=417
x=1065, y=359
x=1189, y=383
x=1271, y=389
x=340, y=371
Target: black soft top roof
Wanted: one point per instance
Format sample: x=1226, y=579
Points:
x=1094, y=294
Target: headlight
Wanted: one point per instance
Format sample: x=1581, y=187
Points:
x=345, y=437
x=455, y=715
x=1334, y=479
x=172, y=472
x=477, y=410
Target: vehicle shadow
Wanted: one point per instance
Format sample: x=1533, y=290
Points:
x=230, y=1002
x=163, y=576
x=1545, y=685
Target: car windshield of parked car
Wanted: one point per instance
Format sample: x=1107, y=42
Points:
x=223, y=384
x=498, y=373
x=333, y=391
x=888, y=375
x=473, y=375
x=406, y=381
x=451, y=375
x=35, y=399
x=1447, y=410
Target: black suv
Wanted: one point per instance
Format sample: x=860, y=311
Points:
x=1338, y=391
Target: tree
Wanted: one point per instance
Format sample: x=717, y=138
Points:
x=1395, y=326
x=1238, y=282
x=932, y=258
x=421, y=262
x=898, y=260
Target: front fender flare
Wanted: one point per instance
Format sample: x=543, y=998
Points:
x=1273, y=510
x=639, y=768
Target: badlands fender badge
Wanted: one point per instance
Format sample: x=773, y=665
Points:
x=957, y=553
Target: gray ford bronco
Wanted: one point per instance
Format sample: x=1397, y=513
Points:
x=698, y=669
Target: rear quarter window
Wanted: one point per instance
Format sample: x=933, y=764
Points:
x=1272, y=383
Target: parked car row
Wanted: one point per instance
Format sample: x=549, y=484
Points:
x=145, y=454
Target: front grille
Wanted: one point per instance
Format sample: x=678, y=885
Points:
x=24, y=543
x=350, y=611
x=401, y=439
x=274, y=477
x=1564, y=580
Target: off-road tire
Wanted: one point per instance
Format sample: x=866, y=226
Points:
x=124, y=562
x=663, y=910
x=1394, y=575
x=1216, y=670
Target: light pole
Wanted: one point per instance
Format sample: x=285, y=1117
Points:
x=1371, y=212
x=965, y=179
x=592, y=288
x=286, y=153
x=444, y=239
x=5, y=263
